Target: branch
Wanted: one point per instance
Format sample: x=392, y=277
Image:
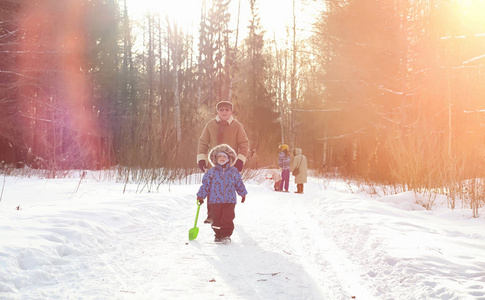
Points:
x=15, y=73
x=462, y=36
x=34, y=118
x=473, y=59
x=9, y=33
x=3, y=186
x=335, y=137
x=474, y=111
x=318, y=110
x=381, y=87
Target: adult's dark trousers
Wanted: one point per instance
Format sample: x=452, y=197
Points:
x=223, y=215
x=208, y=209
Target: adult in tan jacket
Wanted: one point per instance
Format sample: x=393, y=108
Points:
x=223, y=129
x=300, y=163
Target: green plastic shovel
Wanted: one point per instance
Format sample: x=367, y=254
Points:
x=193, y=232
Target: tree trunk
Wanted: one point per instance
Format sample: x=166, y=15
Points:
x=278, y=92
x=293, y=82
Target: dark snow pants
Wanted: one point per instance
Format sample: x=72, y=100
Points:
x=285, y=182
x=208, y=209
x=223, y=215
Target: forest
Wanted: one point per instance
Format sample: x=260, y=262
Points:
x=386, y=91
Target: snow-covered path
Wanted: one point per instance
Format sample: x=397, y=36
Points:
x=330, y=243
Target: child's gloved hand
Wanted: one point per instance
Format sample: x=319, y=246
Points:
x=200, y=200
x=243, y=198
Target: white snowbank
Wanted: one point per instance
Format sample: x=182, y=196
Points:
x=61, y=241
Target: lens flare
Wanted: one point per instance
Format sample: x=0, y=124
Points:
x=60, y=123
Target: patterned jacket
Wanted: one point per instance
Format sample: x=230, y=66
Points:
x=284, y=161
x=221, y=183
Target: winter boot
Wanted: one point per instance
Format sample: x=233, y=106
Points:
x=226, y=240
x=217, y=239
x=299, y=187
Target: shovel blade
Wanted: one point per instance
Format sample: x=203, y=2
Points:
x=193, y=232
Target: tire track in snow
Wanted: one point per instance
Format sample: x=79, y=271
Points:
x=303, y=240
x=329, y=262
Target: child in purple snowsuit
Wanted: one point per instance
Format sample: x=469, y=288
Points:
x=284, y=162
x=220, y=185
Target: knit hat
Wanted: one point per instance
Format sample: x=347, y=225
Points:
x=222, y=148
x=223, y=154
x=283, y=147
x=223, y=104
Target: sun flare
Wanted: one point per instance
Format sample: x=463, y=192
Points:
x=472, y=11
x=183, y=12
x=186, y=13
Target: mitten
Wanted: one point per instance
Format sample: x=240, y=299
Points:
x=243, y=198
x=201, y=201
x=239, y=165
x=202, y=165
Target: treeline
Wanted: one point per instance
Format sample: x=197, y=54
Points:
x=404, y=89
x=389, y=91
x=404, y=93
x=85, y=86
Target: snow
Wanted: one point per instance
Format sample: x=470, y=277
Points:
x=473, y=59
x=86, y=239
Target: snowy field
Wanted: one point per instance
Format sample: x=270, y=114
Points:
x=63, y=240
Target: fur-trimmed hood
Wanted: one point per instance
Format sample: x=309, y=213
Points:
x=300, y=162
x=222, y=148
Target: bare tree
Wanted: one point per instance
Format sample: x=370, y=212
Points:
x=176, y=44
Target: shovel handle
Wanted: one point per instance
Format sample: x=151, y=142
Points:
x=197, y=215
